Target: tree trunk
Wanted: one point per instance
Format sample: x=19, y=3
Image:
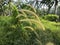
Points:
x=9, y=7
x=56, y=3
x=48, y=9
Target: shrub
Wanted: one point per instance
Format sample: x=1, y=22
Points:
x=51, y=17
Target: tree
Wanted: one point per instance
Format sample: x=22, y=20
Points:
x=1, y=7
x=38, y=3
x=9, y=2
x=49, y=4
x=56, y=3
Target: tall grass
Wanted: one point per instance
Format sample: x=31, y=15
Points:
x=23, y=29
x=34, y=20
x=32, y=8
x=29, y=7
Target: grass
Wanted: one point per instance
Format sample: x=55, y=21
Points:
x=31, y=20
x=53, y=26
x=22, y=29
x=25, y=34
x=55, y=29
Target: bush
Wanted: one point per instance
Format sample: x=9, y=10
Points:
x=51, y=17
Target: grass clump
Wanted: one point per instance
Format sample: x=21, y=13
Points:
x=36, y=19
x=51, y=17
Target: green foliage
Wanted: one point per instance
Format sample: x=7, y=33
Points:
x=54, y=28
x=51, y=17
x=14, y=11
x=17, y=30
x=26, y=29
x=12, y=33
x=16, y=34
x=56, y=36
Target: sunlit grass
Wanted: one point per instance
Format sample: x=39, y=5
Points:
x=53, y=26
x=34, y=20
x=50, y=43
x=31, y=7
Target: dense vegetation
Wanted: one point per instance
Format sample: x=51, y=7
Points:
x=27, y=27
